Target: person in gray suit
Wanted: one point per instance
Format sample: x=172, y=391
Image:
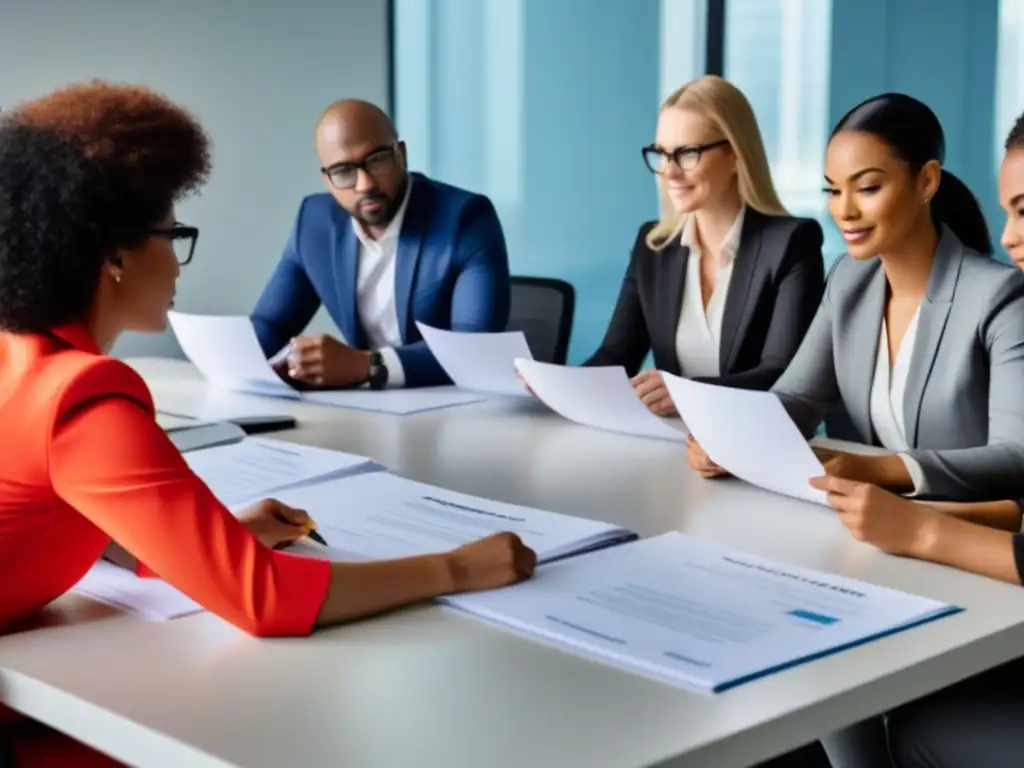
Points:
x=977, y=723
x=920, y=334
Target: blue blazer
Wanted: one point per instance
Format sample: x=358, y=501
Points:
x=451, y=273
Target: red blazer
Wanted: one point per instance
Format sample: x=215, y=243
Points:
x=83, y=461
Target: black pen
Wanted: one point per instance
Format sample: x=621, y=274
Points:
x=311, y=533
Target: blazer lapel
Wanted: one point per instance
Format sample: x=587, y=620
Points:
x=860, y=353
x=931, y=324
x=735, y=316
x=346, y=270
x=675, y=257
x=410, y=245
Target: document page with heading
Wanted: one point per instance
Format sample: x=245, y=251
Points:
x=379, y=515
x=687, y=612
x=750, y=435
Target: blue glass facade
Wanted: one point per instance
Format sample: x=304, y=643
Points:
x=544, y=104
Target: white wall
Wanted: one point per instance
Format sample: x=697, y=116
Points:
x=256, y=72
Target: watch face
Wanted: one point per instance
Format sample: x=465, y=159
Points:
x=378, y=371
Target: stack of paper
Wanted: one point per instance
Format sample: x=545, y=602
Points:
x=151, y=598
x=597, y=397
x=226, y=351
x=750, y=435
x=480, y=362
x=692, y=614
x=363, y=515
x=254, y=468
x=378, y=515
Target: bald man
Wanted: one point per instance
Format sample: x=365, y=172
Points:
x=381, y=249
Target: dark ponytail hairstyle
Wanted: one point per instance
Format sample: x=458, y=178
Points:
x=914, y=134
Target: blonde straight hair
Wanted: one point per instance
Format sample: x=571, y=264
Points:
x=728, y=110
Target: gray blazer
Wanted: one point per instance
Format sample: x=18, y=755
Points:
x=964, y=401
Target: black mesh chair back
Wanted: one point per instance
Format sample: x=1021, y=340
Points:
x=839, y=425
x=543, y=308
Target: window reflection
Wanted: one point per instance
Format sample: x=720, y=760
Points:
x=778, y=53
x=1009, y=71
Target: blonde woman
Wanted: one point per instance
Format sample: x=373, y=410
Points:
x=723, y=287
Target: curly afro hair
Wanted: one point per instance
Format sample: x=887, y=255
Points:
x=85, y=170
x=1016, y=137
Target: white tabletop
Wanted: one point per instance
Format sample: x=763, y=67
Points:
x=428, y=687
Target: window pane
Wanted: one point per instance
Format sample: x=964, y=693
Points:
x=683, y=32
x=777, y=52
x=543, y=106
x=1009, y=71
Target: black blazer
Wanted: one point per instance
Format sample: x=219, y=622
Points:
x=777, y=282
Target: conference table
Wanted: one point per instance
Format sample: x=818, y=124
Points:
x=425, y=686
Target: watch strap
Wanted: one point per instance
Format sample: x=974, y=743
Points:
x=378, y=376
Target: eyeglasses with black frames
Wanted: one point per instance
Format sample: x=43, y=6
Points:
x=377, y=163
x=686, y=157
x=183, y=239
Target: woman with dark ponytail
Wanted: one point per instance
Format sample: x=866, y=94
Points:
x=976, y=723
x=920, y=334
x=914, y=136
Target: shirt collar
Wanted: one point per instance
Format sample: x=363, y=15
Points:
x=394, y=228
x=730, y=244
x=77, y=335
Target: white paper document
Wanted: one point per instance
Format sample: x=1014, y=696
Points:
x=378, y=515
x=255, y=468
x=597, y=397
x=480, y=362
x=400, y=402
x=152, y=599
x=750, y=435
x=226, y=351
x=689, y=613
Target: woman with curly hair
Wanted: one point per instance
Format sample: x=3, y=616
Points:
x=89, y=248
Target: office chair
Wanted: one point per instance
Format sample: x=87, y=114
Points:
x=839, y=425
x=543, y=309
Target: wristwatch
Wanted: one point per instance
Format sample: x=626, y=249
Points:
x=378, y=378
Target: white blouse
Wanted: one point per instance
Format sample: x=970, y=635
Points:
x=887, y=393
x=699, y=332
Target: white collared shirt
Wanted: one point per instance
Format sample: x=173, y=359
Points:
x=375, y=290
x=699, y=332
x=888, y=389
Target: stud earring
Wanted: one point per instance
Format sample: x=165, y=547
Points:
x=117, y=278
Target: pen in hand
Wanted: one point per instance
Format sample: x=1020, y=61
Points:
x=276, y=524
x=311, y=533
